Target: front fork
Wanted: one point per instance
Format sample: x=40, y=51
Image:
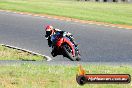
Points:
x=77, y=50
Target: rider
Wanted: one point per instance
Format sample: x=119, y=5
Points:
x=51, y=31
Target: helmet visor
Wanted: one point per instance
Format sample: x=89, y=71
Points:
x=48, y=33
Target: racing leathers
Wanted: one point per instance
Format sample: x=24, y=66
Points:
x=67, y=34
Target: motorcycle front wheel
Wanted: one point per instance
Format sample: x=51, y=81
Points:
x=68, y=51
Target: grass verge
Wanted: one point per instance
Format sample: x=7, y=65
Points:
x=50, y=76
x=13, y=54
x=115, y=13
x=55, y=76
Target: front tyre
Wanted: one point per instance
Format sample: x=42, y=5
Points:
x=78, y=58
x=68, y=51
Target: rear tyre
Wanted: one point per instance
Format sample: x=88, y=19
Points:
x=53, y=54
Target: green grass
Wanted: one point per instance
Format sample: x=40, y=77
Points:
x=50, y=76
x=55, y=76
x=116, y=13
x=13, y=54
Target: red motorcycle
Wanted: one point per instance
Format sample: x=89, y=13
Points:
x=63, y=46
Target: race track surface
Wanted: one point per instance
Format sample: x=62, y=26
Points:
x=96, y=43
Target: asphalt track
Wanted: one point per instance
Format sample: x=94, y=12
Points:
x=96, y=43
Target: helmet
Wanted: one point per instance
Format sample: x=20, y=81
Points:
x=49, y=30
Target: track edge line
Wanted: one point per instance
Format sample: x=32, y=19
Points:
x=25, y=50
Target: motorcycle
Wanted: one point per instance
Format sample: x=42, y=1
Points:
x=62, y=45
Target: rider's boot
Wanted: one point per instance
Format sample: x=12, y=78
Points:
x=53, y=52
